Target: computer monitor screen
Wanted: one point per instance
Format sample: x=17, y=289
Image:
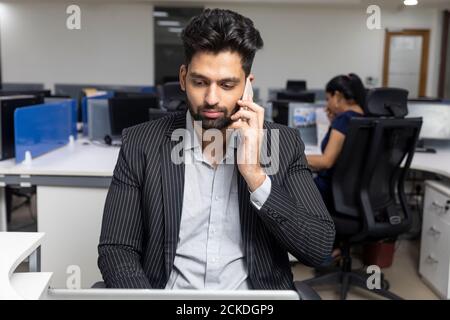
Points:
x=296, y=96
x=131, y=94
x=37, y=93
x=436, y=119
x=127, y=112
x=296, y=85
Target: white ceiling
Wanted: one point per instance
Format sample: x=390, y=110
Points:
x=382, y=3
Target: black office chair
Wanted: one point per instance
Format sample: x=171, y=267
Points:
x=174, y=99
x=24, y=193
x=368, y=179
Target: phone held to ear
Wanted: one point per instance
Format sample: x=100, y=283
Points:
x=248, y=91
x=248, y=94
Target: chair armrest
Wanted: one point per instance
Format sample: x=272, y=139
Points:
x=305, y=291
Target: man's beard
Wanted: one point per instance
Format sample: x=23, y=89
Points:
x=219, y=123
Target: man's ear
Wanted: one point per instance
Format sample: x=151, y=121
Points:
x=251, y=77
x=182, y=76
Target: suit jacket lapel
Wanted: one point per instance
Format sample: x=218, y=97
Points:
x=172, y=181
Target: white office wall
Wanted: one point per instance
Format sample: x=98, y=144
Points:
x=114, y=45
x=317, y=43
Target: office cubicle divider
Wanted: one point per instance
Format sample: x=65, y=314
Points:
x=84, y=109
x=42, y=128
x=99, y=124
x=74, y=108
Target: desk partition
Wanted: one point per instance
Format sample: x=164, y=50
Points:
x=42, y=128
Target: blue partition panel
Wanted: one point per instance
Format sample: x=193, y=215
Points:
x=149, y=89
x=42, y=128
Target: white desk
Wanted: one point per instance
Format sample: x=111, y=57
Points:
x=438, y=162
x=14, y=248
x=71, y=188
x=72, y=184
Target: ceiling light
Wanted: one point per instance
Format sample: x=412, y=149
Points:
x=168, y=23
x=410, y=2
x=175, y=30
x=160, y=14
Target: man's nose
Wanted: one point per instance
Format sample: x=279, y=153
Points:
x=212, y=96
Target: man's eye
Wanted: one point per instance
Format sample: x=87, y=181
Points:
x=228, y=86
x=198, y=83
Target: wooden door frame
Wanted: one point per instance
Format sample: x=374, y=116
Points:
x=443, y=62
x=425, y=33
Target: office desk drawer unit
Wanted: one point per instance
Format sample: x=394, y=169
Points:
x=434, y=264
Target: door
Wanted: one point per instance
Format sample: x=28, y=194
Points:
x=406, y=61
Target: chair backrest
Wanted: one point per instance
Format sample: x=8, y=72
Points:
x=174, y=99
x=387, y=102
x=368, y=178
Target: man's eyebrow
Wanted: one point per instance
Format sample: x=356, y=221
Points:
x=200, y=76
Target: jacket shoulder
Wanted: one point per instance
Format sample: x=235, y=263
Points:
x=286, y=133
x=151, y=132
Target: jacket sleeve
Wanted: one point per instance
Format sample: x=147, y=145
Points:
x=120, y=246
x=296, y=214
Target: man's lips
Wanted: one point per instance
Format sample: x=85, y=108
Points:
x=212, y=114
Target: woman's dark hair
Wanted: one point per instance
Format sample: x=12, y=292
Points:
x=217, y=30
x=350, y=86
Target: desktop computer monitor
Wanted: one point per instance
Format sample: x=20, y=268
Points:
x=8, y=104
x=296, y=96
x=127, y=112
x=296, y=85
x=133, y=94
x=301, y=116
x=436, y=120
x=37, y=93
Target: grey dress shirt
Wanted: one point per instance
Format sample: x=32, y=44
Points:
x=210, y=252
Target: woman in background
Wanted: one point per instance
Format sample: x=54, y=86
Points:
x=346, y=97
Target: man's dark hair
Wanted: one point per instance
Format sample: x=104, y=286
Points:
x=217, y=30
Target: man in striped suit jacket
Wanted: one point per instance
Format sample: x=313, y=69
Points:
x=207, y=223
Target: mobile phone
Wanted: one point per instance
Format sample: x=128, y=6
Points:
x=248, y=93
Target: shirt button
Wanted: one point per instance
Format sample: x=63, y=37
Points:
x=214, y=259
x=217, y=198
x=258, y=203
x=213, y=230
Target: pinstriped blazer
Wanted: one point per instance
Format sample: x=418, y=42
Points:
x=142, y=213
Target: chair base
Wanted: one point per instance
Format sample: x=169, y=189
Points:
x=347, y=279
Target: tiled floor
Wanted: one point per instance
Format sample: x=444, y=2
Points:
x=403, y=277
